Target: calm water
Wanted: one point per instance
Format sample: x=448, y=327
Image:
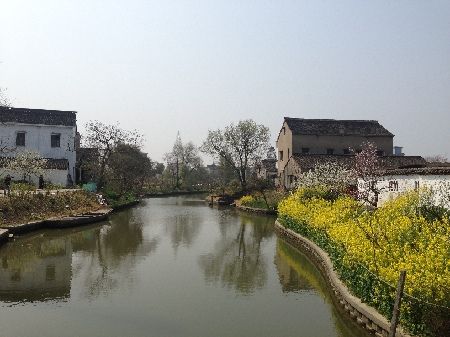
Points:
x=170, y=267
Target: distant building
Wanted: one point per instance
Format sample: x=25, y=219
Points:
x=303, y=143
x=51, y=133
x=267, y=168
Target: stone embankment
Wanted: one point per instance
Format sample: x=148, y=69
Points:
x=63, y=222
x=256, y=210
x=366, y=316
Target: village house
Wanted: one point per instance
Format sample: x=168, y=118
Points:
x=266, y=169
x=51, y=133
x=391, y=183
x=304, y=143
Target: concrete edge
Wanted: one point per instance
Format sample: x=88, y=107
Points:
x=364, y=314
x=256, y=210
x=53, y=223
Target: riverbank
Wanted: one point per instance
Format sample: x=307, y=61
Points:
x=56, y=222
x=172, y=194
x=28, y=212
x=255, y=209
x=366, y=316
x=369, y=248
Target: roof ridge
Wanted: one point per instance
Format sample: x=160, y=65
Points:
x=333, y=120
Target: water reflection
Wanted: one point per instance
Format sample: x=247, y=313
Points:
x=36, y=270
x=298, y=274
x=41, y=267
x=183, y=229
x=236, y=261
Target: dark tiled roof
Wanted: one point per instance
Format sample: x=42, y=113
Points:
x=57, y=164
x=332, y=127
x=37, y=116
x=419, y=171
x=309, y=161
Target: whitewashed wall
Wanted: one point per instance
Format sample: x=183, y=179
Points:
x=38, y=139
x=57, y=177
x=391, y=186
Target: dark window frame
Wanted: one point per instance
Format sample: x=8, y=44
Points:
x=55, y=140
x=19, y=140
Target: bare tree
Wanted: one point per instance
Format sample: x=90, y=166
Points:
x=240, y=145
x=105, y=138
x=4, y=101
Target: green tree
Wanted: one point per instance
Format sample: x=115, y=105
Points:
x=181, y=163
x=128, y=168
x=239, y=145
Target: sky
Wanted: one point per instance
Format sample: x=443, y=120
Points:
x=163, y=67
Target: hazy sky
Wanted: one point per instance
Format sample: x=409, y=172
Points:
x=189, y=66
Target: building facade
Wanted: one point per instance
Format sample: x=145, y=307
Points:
x=394, y=182
x=304, y=143
x=51, y=133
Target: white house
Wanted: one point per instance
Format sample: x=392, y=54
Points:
x=51, y=133
x=397, y=181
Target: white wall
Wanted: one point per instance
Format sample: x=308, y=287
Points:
x=391, y=186
x=57, y=177
x=37, y=138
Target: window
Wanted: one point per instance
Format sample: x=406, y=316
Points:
x=393, y=186
x=305, y=149
x=20, y=139
x=289, y=155
x=330, y=151
x=56, y=140
x=380, y=153
x=346, y=151
x=416, y=185
x=284, y=130
x=280, y=155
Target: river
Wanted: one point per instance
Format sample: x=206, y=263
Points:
x=169, y=267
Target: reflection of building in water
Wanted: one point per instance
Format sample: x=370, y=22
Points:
x=289, y=278
x=36, y=270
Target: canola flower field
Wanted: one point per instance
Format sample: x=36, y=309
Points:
x=369, y=248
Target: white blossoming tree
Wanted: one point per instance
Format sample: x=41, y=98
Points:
x=329, y=176
x=368, y=169
x=27, y=164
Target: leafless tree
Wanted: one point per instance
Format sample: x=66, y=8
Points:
x=105, y=138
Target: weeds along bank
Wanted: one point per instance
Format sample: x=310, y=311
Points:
x=24, y=207
x=268, y=200
x=369, y=248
